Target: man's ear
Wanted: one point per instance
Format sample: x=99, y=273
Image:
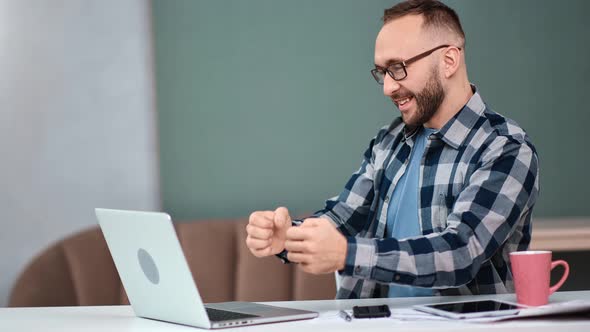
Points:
x=451, y=61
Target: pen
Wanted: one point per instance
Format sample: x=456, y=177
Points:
x=345, y=315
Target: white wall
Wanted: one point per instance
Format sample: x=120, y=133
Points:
x=77, y=120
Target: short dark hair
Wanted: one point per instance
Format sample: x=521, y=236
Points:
x=436, y=15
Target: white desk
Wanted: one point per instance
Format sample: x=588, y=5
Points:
x=121, y=318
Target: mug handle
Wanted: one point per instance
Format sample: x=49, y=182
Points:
x=565, y=274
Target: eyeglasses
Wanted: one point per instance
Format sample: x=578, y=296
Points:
x=397, y=70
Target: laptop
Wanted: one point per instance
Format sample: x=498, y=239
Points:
x=157, y=279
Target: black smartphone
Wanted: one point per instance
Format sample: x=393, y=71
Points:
x=371, y=311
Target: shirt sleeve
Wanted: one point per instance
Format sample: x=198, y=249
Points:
x=497, y=196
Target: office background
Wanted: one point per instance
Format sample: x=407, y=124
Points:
x=78, y=120
x=213, y=109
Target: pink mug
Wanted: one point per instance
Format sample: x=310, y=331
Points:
x=531, y=271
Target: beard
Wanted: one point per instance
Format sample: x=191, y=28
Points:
x=427, y=101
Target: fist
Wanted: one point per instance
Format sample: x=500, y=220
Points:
x=267, y=231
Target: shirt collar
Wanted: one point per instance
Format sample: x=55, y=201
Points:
x=455, y=131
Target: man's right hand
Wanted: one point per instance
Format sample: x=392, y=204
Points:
x=266, y=231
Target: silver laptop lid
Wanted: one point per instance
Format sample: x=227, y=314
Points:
x=158, y=281
x=152, y=267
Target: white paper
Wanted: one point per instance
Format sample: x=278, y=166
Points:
x=560, y=308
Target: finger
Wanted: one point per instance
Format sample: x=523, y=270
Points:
x=312, y=269
x=311, y=222
x=257, y=244
x=265, y=214
x=281, y=217
x=296, y=246
x=259, y=233
x=297, y=257
x=298, y=234
x=261, y=252
x=305, y=267
x=262, y=219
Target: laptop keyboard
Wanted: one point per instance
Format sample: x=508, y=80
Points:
x=216, y=315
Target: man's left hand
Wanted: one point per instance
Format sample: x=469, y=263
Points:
x=317, y=245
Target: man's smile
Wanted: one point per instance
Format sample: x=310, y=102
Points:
x=404, y=103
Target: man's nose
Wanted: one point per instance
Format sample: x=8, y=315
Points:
x=389, y=85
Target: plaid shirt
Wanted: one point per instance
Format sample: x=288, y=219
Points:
x=478, y=184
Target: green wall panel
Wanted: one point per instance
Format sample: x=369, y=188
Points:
x=264, y=103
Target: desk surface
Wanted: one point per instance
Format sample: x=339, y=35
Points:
x=121, y=318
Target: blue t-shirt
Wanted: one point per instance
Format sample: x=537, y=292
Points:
x=402, y=214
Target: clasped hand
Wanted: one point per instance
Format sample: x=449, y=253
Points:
x=316, y=244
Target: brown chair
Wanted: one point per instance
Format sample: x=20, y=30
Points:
x=79, y=270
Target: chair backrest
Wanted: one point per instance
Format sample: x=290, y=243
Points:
x=79, y=270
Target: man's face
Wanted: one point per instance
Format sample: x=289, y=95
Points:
x=420, y=94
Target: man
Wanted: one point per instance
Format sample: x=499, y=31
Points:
x=444, y=193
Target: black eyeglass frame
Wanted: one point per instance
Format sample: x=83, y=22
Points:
x=404, y=64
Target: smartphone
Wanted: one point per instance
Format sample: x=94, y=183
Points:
x=371, y=311
x=471, y=309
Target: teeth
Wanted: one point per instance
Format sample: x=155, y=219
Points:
x=403, y=101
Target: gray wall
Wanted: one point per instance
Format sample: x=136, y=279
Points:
x=77, y=120
x=271, y=102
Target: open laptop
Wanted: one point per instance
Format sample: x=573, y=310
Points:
x=157, y=279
